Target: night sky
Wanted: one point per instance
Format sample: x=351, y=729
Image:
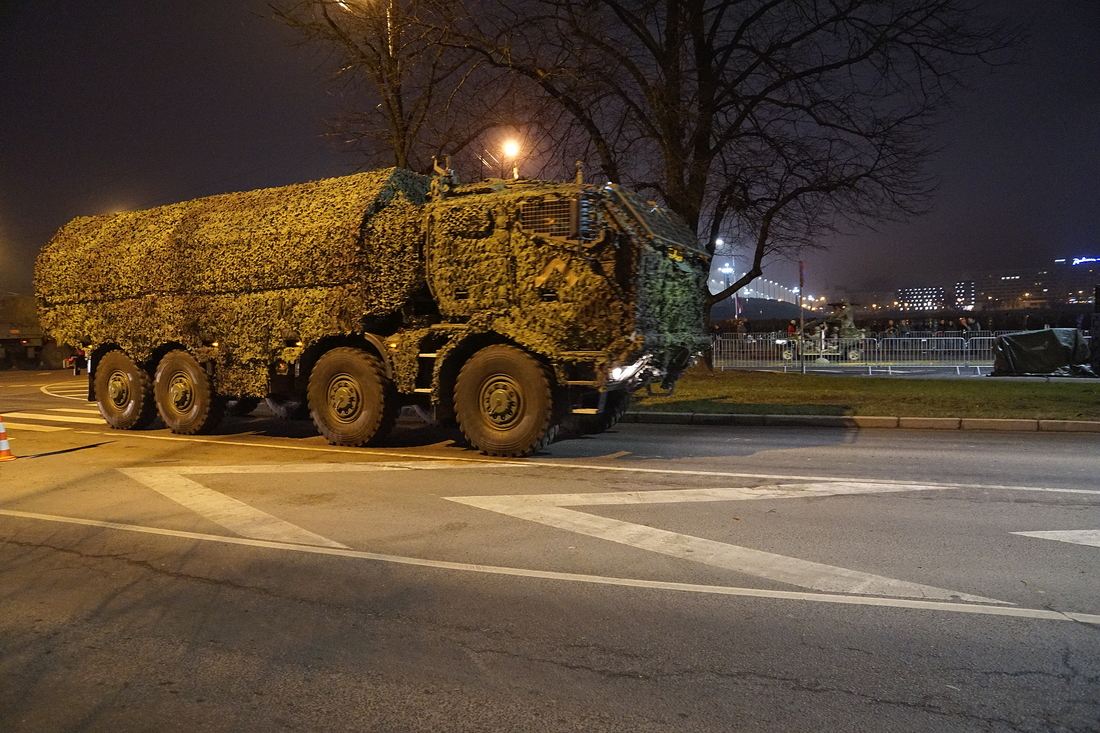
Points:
x=108, y=106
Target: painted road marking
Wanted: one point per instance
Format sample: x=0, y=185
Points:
x=528, y=463
x=239, y=517
x=79, y=410
x=550, y=509
x=1089, y=537
x=58, y=418
x=310, y=467
x=32, y=428
x=906, y=603
x=66, y=390
x=234, y=515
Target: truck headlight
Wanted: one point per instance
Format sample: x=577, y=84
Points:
x=625, y=373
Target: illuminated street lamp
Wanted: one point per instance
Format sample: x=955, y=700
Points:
x=511, y=150
x=726, y=270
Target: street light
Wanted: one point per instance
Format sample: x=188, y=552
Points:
x=726, y=270
x=511, y=150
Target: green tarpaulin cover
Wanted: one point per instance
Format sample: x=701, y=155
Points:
x=1058, y=352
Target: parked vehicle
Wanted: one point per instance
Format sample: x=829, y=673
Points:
x=23, y=343
x=797, y=347
x=506, y=306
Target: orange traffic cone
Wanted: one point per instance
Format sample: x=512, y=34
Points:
x=5, y=449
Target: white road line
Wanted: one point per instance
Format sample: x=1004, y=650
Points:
x=1013, y=612
x=1088, y=537
x=58, y=418
x=309, y=467
x=80, y=410
x=317, y=449
x=530, y=463
x=548, y=509
x=230, y=513
x=66, y=390
x=32, y=428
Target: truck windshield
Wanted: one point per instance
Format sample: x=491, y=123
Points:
x=658, y=223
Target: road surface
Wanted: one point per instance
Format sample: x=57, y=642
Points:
x=653, y=578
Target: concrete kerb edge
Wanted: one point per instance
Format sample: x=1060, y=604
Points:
x=861, y=422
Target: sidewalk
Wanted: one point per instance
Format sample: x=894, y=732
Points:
x=867, y=421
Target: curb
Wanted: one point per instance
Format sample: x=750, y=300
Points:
x=861, y=422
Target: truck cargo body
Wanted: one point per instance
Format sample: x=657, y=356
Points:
x=507, y=305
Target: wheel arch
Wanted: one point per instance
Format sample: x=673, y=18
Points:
x=369, y=342
x=97, y=354
x=459, y=353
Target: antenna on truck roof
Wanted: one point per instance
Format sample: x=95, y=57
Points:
x=445, y=180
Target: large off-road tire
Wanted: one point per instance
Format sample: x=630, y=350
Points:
x=54, y=356
x=185, y=396
x=124, y=392
x=613, y=410
x=351, y=400
x=287, y=409
x=504, y=402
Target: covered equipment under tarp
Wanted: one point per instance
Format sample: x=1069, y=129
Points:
x=1053, y=352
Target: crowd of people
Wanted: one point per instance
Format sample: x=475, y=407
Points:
x=938, y=327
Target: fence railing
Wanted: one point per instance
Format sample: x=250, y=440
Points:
x=957, y=349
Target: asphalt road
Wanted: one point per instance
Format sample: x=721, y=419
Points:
x=653, y=578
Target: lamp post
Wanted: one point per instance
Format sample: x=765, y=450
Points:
x=726, y=270
x=511, y=150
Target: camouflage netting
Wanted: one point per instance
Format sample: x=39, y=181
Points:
x=556, y=295
x=258, y=271
x=250, y=269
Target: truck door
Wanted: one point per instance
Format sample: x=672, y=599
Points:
x=469, y=260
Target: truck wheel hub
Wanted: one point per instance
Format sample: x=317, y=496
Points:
x=118, y=389
x=181, y=392
x=501, y=398
x=344, y=398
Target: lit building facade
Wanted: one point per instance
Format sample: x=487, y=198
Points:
x=966, y=295
x=1065, y=281
x=922, y=299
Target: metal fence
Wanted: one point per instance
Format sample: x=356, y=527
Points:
x=963, y=352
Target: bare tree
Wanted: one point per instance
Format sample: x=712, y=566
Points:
x=415, y=95
x=766, y=122
x=776, y=120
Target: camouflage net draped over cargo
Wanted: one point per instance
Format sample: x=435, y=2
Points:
x=255, y=270
x=621, y=295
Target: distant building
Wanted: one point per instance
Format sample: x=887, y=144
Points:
x=966, y=295
x=922, y=299
x=1065, y=281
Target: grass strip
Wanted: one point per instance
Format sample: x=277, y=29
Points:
x=773, y=393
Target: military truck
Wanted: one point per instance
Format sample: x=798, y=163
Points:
x=509, y=307
x=23, y=343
